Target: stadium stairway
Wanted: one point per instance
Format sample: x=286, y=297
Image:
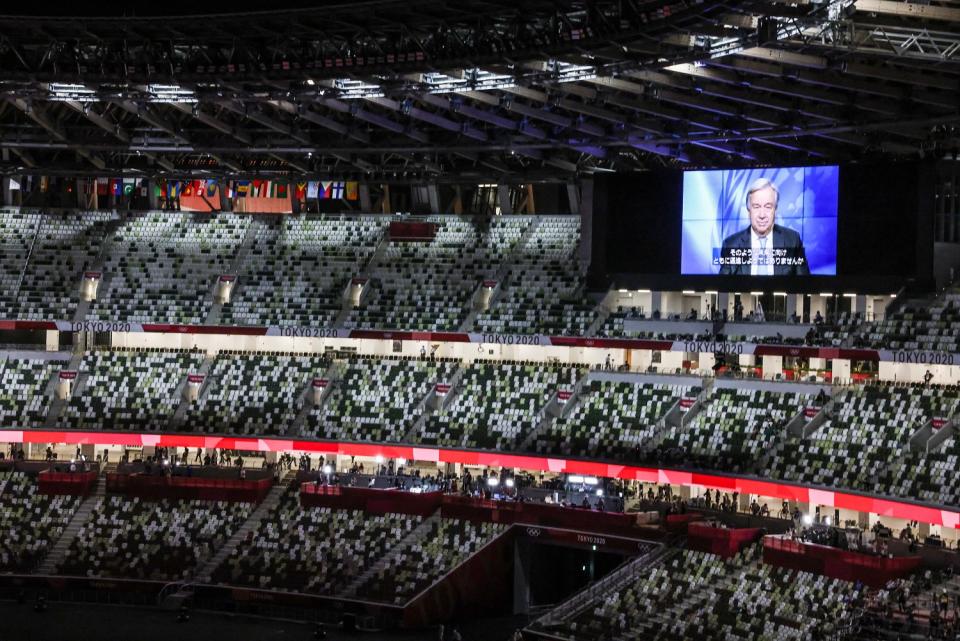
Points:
x=57, y=404
x=250, y=235
x=176, y=421
x=26, y=261
x=58, y=550
x=269, y=502
x=426, y=406
x=332, y=374
x=414, y=535
x=675, y=417
x=366, y=272
x=603, y=313
x=106, y=245
x=553, y=410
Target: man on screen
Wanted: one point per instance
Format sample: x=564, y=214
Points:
x=764, y=248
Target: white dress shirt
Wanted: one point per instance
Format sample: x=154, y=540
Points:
x=761, y=263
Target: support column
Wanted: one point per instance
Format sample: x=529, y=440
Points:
x=226, y=203
x=656, y=300
x=152, y=200
x=503, y=199
x=791, y=306
x=574, y=197
x=433, y=196
x=586, y=221
x=365, y=204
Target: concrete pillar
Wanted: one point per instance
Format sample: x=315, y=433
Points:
x=725, y=302
x=791, y=306
x=433, y=196
x=153, y=202
x=585, y=251
x=365, y=204
x=656, y=299
x=503, y=199
x=859, y=305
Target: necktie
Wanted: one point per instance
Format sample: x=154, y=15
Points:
x=764, y=258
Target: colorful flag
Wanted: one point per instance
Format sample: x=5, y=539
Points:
x=300, y=192
x=128, y=185
x=353, y=190
x=116, y=187
x=243, y=188
x=337, y=191
x=326, y=189
x=211, y=188
x=312, y=189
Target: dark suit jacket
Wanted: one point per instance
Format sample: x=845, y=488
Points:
x=783, y=238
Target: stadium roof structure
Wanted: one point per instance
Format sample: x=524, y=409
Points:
x=498, y=89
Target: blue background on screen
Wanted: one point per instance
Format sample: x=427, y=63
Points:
x=714, y=206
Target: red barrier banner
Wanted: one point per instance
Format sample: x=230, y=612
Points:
x=845, y=565
x=489, y=284
x=441, y=389
x=687, y=403
x=92, y=275
x=195, y=378
x=320, y=383
x=810, y=412
x=68, y=374
x=725, y=542
x=937, y=423
x=372, y=501
x=66, y=483
x=156, y=487
x=564, y=395
x=227, y=278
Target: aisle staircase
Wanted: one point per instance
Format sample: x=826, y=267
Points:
x=270, y=501
x=416, y=534
x=58, y=552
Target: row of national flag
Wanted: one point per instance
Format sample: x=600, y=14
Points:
x=305, y=190
x=209, y=189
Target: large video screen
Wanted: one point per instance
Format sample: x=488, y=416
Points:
x=760, y=222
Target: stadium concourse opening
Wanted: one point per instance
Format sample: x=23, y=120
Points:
x=560, y=320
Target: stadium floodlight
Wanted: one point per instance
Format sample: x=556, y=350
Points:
x=599, y=492
x=826, y=520
x=327, y=470
x=378, y=458
x=349, y=89
x=575, y=478
x=401, y=461
x=493, y=482
x=509, y=482
x=807, y=519
x=63, y=91
x=170, y=94
x=590, y=480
